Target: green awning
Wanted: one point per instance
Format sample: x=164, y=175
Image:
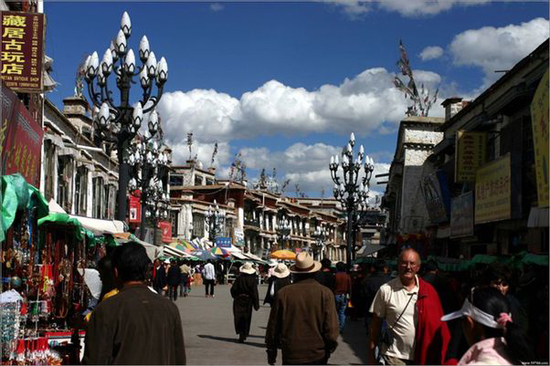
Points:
x=17, y=194
x=64, y=219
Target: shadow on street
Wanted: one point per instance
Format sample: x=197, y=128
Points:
x=232, y=340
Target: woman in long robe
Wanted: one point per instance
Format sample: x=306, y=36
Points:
x=245, y=297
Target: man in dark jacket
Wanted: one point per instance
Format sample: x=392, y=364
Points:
x=372, y=285
x=136, y=326
x=326, y=276
x=159, y=276
x=279, y=279
x=173, y=279
x=303, y=321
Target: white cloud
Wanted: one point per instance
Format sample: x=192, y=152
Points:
x=431, y=52
x=366, y=103
x=305, y=165
x=216, y=7
x=410, y=8
x=493, y=48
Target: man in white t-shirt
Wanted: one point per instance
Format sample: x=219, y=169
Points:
x=410, y=307
x=209, y=278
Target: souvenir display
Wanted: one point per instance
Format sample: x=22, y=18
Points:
x=43, y=292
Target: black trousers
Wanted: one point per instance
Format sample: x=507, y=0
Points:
x=208, y=284
x=173, y=292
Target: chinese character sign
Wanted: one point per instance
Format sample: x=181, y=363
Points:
x=493, y=201
x=20, y=139
x=223, y=242
x=22, y=50
x=470, y=155
x=539, y=120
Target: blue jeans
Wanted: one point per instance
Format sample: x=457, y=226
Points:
x=341, y=304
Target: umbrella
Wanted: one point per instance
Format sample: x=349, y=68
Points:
x=179, y=246
x=204, y=255
x=283, y=254
x=220, y=252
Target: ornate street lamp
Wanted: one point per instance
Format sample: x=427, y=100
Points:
x=349, y=190
x=320, y=235
x=148, y=166
x=119, y=124
x=283, y=232
x=215, y=220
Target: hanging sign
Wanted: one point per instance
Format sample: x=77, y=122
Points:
x=470, y=154
x=493, y=200
x=539, y=119
x=462, y=215
x=22, y=51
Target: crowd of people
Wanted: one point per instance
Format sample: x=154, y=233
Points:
x=414, y=315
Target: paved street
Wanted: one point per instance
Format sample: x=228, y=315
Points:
x=210, y=338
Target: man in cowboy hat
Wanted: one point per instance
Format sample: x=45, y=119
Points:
x=245, y=297
x=303, y=321
x=280, y=277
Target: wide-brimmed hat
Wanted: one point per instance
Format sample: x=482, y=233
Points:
x=305, y=264
x=247, y=268
x=281, y=271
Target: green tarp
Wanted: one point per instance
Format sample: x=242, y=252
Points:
x=17, y=194
x=64, y=219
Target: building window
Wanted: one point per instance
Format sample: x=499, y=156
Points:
x=198, y=225
x=81, y=190
x=176, y=180
x=64, y=181
x=97, y=197
x=49, y=168
x=198, y=180
x=174, y=221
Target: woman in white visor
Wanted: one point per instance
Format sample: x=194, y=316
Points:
x=490, y=330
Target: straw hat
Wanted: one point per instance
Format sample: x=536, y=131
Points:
x=247, y=268
x=281, y=271
x=305, y=264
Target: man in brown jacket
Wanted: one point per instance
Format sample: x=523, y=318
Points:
x=303, y=322
x=136, y=326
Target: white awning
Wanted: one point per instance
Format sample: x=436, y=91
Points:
x=239, y=255
x=101, y=227
x=538, y=217
x=54, y=207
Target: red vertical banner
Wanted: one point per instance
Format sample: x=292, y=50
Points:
x=166, y=230
x=135, y=208
x=21, y=139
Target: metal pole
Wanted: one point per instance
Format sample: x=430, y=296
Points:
x=123, y=147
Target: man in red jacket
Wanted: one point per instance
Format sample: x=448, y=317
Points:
x=412, y=310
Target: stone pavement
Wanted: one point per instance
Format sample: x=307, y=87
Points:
x=210, y=337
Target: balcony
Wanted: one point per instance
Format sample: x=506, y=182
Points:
x=251, y=222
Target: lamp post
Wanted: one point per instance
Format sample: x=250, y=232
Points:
x=283, y=232
x=321, y=234
x=118, y=124
x=148, y=166
x=349, y=190
x=215, y=219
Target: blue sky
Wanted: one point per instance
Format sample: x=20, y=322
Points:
x=285, y=83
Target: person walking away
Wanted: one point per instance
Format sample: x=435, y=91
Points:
x=280, y=277
x=412, y=310
x=245, y=297
x=173, y=280
x=342, y=292
x=494, y=337
x=159, y=277
x=185, y=271
x=303, y=322
x=209, y=278
x=325, y=276
x=373, y=284
x=137, y=326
